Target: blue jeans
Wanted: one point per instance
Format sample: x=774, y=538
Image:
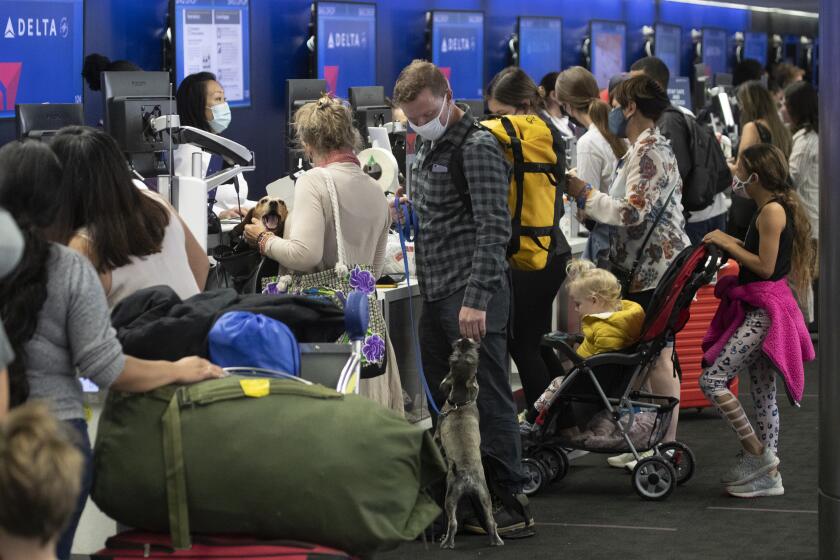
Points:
x=78, y=428
x=498, y=424
x=697, y=231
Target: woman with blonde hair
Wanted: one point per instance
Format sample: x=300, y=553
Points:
x=326, y=132
x=598, y=150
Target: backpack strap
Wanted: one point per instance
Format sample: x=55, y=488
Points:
x=456, y=168
x=519, y=179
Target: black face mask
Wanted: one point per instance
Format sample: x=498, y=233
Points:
x=572, y=120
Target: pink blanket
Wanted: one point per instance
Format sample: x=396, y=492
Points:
x=787, y=345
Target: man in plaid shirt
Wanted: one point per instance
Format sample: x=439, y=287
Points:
x=463, y=272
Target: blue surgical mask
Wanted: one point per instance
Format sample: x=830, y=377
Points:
x=618, y=122
x=221, y=117
x=739, y=187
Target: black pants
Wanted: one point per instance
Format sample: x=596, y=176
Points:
x=499, y=429
x=533, y=296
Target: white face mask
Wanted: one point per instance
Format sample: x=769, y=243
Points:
x=434, y=129
x=221, y=117
x=739, y=187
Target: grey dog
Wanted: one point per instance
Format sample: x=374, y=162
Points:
x=457, y=430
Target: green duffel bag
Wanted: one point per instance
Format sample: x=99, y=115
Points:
x=270, y=458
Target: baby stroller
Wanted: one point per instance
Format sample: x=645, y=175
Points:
x=605, y=393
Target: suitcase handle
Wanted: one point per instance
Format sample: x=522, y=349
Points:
x=263, y=372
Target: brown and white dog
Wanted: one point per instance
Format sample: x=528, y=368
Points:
x=457, y=430
x=271, y=211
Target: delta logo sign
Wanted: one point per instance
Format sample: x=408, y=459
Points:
x=343, y=40
x=36, y=27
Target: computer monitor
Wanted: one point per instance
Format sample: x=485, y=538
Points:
x=540, y=45
x=755, y=47
x=214, y=36
x=345, y=39
x=369, y=108
x=456, y=46
x=42, y=120
x=476, y=106
x=679, y=91
x=608, y=50
x=299, y=92
x=714, y=47
x=668, y=46
x=131, y=100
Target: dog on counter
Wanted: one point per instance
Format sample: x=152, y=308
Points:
x=457, y=431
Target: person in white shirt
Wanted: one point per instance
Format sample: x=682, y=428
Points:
x=801, y=106
x=201, y=104
x=598, y=150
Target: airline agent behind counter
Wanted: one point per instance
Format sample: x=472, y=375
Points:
x=201, y=104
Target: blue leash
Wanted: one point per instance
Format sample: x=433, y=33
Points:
x=407, y=229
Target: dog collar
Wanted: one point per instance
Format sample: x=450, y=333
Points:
x=456, y=406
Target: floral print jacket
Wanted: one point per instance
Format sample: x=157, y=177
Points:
x=643, y=182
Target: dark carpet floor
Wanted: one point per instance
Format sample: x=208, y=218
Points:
x=594, y=513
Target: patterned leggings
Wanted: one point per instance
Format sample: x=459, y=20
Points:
x=743, y=352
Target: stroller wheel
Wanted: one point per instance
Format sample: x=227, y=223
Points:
x=536, y=474
x=681, y=458
x=555, y=461
x=654, y=478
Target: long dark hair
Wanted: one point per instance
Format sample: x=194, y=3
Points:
x=513, y=86
x=98, y=194
x=191, y=98
x=802, y=106
x=30, y=182
x=757, y=103
x=770, y=165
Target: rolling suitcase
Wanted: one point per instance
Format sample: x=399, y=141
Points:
x=689, y=340
x=135, y=544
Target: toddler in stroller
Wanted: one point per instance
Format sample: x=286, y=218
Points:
x=603, y=404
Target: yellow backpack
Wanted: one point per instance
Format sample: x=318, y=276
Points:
x=536, y=152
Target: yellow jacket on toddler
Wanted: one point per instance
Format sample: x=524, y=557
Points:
x=611, y=331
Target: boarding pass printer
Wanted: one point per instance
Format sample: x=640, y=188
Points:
x=188, y=194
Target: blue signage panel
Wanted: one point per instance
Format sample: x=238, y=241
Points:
x=346, y=41
x=540, y=45
x=679, y=91
x=755, y=47
x=214, y=36
x=608, y=50
x=42, y=52
x=714, y=50
x=458, y=50
x=667, y=48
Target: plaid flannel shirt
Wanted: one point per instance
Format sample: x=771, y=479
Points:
x=455, y=248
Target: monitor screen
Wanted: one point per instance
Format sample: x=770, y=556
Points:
x=346, y=41
x=540, y=45
x=714, y=50
x=607, y=50
x=667, y=48
x=755, y=47
x=679, y=91
x=42, y=54
x=458, y=50
x=214, y=36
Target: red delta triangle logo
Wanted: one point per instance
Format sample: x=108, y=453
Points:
x=9, y=81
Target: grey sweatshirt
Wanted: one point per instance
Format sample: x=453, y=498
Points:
x=11, y=249
x=74, y=332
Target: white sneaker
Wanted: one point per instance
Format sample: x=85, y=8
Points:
x=619, y=461
x=767, y=485
x=631, y=465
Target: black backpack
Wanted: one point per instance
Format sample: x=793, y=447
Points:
x=709, y=173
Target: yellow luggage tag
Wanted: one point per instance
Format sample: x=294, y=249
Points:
x=255, y=388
